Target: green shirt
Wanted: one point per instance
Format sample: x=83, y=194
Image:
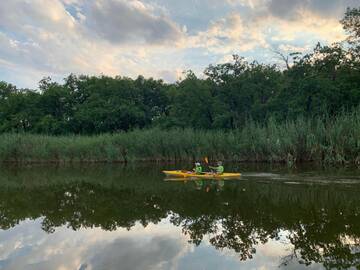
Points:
x=198, y=169
x=219, y=169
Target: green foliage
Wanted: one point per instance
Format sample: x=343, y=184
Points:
x=351, y=23
x=325, y=140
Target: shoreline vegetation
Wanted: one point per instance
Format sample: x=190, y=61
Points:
x=328, y=140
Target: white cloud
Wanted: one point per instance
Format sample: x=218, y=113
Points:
x=18, y=16
x=170, y=75
x=43, y=36
x=229, y=35
x=261, y=28
x=249, y=3
x=132, y=37
x=307, y=23
x=123, y=21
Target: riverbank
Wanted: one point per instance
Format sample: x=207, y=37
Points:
x=334, y=140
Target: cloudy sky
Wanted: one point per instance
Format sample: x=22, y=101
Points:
x=158, y=38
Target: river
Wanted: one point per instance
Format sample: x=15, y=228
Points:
x=130, y=217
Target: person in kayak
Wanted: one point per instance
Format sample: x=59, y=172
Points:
x=219, y=169
x=198, y=168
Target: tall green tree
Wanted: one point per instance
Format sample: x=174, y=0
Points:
x=193, y=103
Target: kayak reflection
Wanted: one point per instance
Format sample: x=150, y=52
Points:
x=206, y=185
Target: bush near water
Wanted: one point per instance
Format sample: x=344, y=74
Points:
x=306, y=111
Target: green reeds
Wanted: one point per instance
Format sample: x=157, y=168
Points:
x=325, y=140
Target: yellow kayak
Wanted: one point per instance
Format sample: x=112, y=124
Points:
x=206, y=175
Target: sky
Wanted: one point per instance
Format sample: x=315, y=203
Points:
x=155, y=38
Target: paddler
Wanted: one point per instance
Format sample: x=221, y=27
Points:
x=198, y=168
x=219, y=169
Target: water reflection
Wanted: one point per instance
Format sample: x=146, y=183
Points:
x=27, y=247
x=201, y=184
x=318, y=224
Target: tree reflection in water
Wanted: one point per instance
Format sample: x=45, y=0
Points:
x=322, y=221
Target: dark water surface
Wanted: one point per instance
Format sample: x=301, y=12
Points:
x=116, y=217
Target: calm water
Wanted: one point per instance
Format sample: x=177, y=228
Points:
x=116, y=217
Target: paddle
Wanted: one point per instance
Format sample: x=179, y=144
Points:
x=206, y=160
x=207, y=163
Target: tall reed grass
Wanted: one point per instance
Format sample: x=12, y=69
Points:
x=326, y=140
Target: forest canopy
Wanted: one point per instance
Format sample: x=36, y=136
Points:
x=324, y=82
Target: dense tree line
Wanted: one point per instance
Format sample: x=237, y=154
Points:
x=323, y=82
